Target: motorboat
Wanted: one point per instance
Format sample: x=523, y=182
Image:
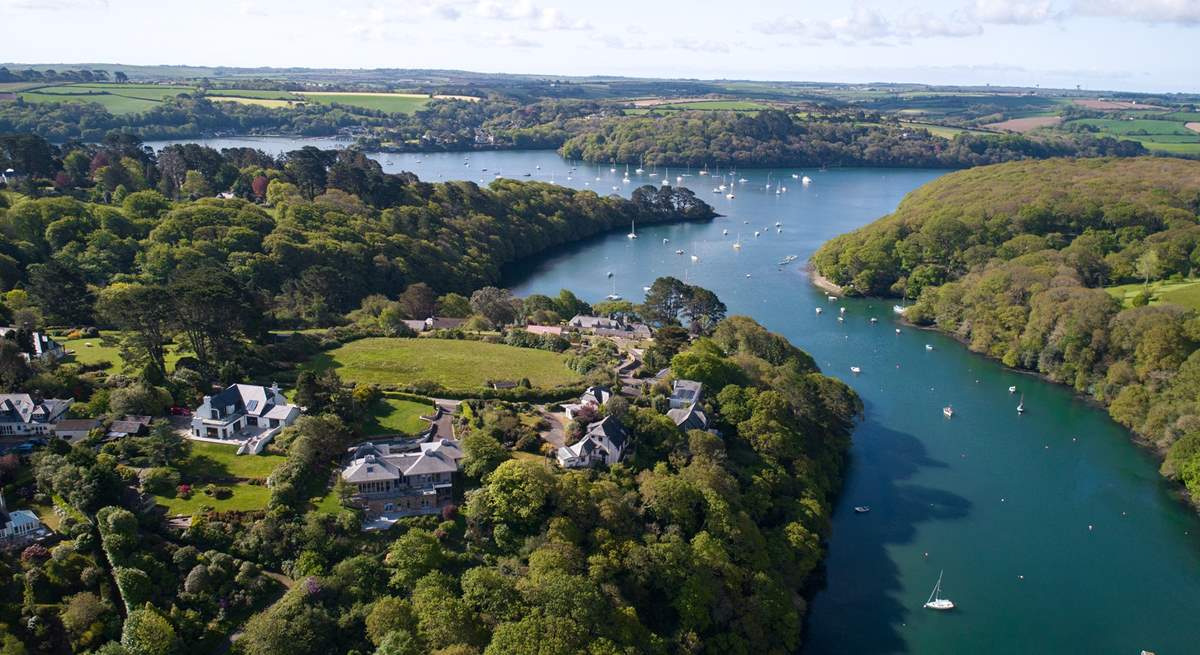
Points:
x=928, y=347
x=855, y=370
x=1012, y=389
x=862, y=509
x=948, y=411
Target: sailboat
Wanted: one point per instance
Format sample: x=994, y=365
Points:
x=632, y=230
x=936, y=602
x=1021, y=405
x=737, y=245
x=614, y=295
x=768, y=181
x=666, y=178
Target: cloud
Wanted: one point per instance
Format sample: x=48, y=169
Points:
x=508, y=40
x=699, y=45
x=864, y=24
x=1013, y=12
x=1178, y=12
x=539, y=18
x=54, y=5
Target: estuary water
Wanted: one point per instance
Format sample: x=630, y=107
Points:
x=1054, y=532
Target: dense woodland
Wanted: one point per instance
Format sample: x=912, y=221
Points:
x=1012, y=259
x=776, y=138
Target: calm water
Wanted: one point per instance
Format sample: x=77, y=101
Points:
x=1055, y=533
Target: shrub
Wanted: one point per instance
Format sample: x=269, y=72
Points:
x=159, y=480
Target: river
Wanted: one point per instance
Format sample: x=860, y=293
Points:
x=1056, y=534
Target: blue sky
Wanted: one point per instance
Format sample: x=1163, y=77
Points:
x=1143, y=45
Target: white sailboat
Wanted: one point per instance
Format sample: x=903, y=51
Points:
x=1021, y=405
x=632, y=230
x=737, y=245
x=666, y=178
x=936, y=602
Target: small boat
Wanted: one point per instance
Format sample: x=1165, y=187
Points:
x=1012, y=389
x=897, y=330
x=795, y=176
x=725, y=232
x=842, y=310
x=639, y=171
x=666, y=241
x=831, y=298
x=1021, y=405
x=862, y=509
x=695, y=259
x=632, y=230
x=730, y=195
x=737, y=245
x=948, y=411
x=613, y=296
x=526, y=175
x=855, y=370
x=777, y=223
x=818, y=310
x=874, y=320
x=742, y=180
x=747, y=275
x=610, y=274
x=806, y=180
x=897, y=309
x=928, y=347
x=538, y=167
x=679, y=252
x=936, y=602
x=757, y=233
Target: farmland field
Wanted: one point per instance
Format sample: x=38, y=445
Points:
x=261, y=102
x=1165, y=135
x=116, y=98
x=253, y=93
x=716, y=105
x=1026, y=124
x=393, y=103
x=454, y=364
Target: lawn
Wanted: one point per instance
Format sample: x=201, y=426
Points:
x=393, y=103
x=451, y=363
x=1183, y=292
x=246, y=497
x=390, y=416
x=214, y=461
x=95, y=350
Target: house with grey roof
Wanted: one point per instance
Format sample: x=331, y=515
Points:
x=685, y=393
x=609, y=327
x=72, y=429
x=594, y=397
x=21, y=415
x=248, y=414
x=689, y=418
x=403, y=478
x=40, y=345
x=18, y=527
x=604, y=443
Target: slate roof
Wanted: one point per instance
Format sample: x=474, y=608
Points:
x=378, y=462
x=21, y=408
x=687, y=391
x=689, y=418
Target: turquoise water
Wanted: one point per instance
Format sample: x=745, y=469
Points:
x=1055, y=532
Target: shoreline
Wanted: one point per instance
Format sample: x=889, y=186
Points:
x=1179, y=491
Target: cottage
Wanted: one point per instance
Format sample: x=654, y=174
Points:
x=40, y=345
x=595, y=397
x=21, y=415
x=72, y=429
x=603, y=443
x=245, y=413
x=403, y=478
x=689, y=418
x=685, y=393
x=129, y=426
x=610, y=327
x=18, y=526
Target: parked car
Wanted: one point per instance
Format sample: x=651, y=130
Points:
x=176, y=410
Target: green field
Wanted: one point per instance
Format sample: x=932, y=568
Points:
x=104, y=349
x=390, y=416
x=116, y=98
x=253, y=93
x=1166, y=135
x=453, y=364
x=716, y=105
x=1185, y=293
x=393, y=103
x=261, y=102
x=943, y=131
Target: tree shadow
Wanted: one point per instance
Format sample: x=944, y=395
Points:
x=200, y=468
x=855, y=608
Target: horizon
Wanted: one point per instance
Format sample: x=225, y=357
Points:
x=1028, y=44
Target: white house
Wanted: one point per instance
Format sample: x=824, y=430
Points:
x=603, y=443
x=594, y=397
x=21, y=415
x=41, y=346
x=18, y=525
x=248, y=414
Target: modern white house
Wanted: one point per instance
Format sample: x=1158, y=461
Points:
x=403, y=478
x=21, y=415
x=17, y=526
x=248, y=414
x=594, y=397
x=603, y=443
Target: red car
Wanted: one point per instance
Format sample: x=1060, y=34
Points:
x=176, y=410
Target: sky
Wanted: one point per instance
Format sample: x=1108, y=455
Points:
x=1135, y=45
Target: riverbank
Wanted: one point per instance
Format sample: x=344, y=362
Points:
x=822, y=282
